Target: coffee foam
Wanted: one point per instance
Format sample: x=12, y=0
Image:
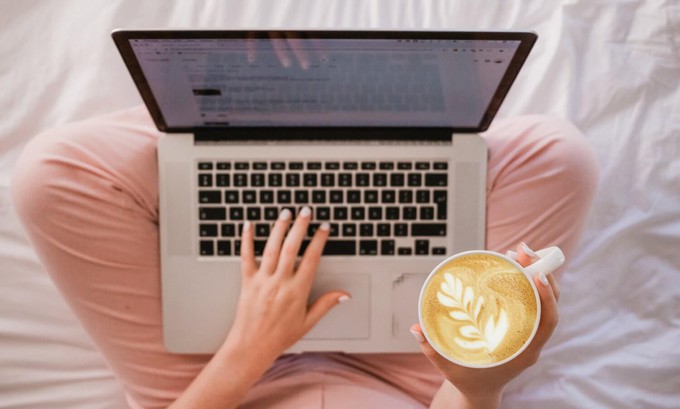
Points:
x=479, y=309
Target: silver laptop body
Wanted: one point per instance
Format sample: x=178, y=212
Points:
x=376, y=131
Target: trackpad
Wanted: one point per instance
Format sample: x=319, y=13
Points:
x=349, y=320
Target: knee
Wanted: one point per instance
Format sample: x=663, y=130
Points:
x=549, y=150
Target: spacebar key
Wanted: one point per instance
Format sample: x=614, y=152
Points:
x=428, y=229
x=340, y=248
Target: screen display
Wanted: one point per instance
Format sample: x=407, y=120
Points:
x=286, y=80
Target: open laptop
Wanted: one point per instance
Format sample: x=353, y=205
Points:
x=376, y=131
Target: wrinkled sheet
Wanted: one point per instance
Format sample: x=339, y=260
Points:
x=612, y=67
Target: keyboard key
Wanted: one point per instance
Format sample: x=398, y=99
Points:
x=366, y=230
x=345, y=180
x=278, y=166
x=249, y=196
x=387, y=247
x=224, y=248
x=228, y=230
x=350, y=165
x=207, y=247
x=423, y=165
x=313, y=165
x=283, y=196
x=237, y=247
x=223, y=165
x=323, y=213
x=337, y=196
x=257, y=179
x=380, y=179
x=240, y=179
x=375, y=213
x=404, y=165
x=362, y=179
x=410, y=213
x=438, y=251
x=384, y=230
x=205, y=179
x=441, y=165
x=332, y=165
x=405, y=196
x=260, y=165
x=392, y=213
x=368, y=247
x=422, y=247
x=401, y=229
x=253, y=213
x=266, y=196
x=404, y=251
x=358, y=213
x=292, y=179
x=205, y=165
x=241, y=166
x=415, y=179
x=386, y=165
x=370, y=196
x=423, y=196
x=262, y=229
x=353, y=196
x=319, y=196
x=327, y=179
x=222, y=179
x=427, y=213
x=340, y=213
x=275, y=179
x=258, y=247
x=209, y=196
x=271, y=213
x=349, y=229
x=389, y=196
x=301, y=196
x=231, y=196
x=428, y=229
x=397, y=179
x=207, y=230
x=310, y=180
x=212, y=213
x=236, y=213
x=295, y=166
x=368, y=165
x=439, y=197
x=436, y=179
x=340, y=248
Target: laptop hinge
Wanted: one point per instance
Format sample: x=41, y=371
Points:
x=330, y=133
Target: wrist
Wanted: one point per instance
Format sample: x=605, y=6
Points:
x=489, y=399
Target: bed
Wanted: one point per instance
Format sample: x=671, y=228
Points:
x=611, y=67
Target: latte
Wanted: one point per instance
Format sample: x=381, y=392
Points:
x=479, y=309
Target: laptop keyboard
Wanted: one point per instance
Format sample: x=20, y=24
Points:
x=375, y=208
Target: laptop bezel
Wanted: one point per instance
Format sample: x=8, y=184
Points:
x=122, y=37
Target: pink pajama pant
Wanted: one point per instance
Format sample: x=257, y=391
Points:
x=87, y=196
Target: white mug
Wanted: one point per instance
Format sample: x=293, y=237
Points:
x=549, y=260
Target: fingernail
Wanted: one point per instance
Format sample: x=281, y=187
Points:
x=306, y=211
x=529, y=252
x=543, y=279
x=285, y=214
x=246, y=225
x=512, y=254
x=343, y=298
x=325, y=226
x=417, y=335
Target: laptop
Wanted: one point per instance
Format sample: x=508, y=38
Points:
x=376, y=131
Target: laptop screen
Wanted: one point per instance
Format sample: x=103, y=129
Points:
x=195, y=80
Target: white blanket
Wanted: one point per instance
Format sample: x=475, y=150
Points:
x=612, y=67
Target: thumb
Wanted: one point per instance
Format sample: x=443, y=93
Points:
x=433, y=356
x=323, y=305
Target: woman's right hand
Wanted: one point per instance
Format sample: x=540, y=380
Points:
x=272, y=312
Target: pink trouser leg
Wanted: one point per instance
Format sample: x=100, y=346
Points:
x=87, y=196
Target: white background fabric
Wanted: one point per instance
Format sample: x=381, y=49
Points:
x=612, y=67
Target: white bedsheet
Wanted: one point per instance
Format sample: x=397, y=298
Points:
x=612, y=67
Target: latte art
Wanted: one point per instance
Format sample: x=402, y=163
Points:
x=479, y=309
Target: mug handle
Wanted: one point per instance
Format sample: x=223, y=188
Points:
x=550, y=259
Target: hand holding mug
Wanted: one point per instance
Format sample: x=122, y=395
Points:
x=467, y=335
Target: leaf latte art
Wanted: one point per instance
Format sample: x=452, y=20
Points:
x=479, y=309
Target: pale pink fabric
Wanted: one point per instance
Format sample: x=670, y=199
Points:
x=87, y=195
